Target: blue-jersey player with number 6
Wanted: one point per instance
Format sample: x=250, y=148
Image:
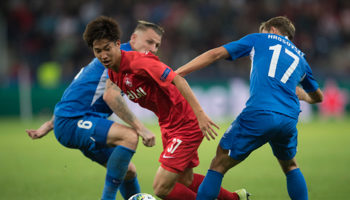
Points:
x=80, y=118
x=271, y=112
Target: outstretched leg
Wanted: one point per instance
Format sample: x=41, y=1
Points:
x=210, y=187
x=166, y=186
x=117, y=165
x=296, y=184
x=223, y=194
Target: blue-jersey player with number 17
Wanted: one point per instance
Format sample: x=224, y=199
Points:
x=80, y=118
x=271, y=112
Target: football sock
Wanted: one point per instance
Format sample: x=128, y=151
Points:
x=181, y=192
x=129, y=188
x=117, y=167
x=210, y=187
x=296, y=185
x=223, y=194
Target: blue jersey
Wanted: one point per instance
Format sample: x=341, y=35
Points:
x=278, y=66
x=85, y=94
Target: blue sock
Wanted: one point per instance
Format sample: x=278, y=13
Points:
x=210, y=187
x=296, y=185
x=117, y=167
x=129, y=188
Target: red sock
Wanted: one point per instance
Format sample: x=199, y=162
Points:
x=197, y=180
x=223, y=195
x=181, y=192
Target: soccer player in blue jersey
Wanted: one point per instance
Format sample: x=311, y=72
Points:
x=271, y=112
x=80, y=118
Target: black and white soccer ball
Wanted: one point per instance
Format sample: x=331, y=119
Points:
x=142, y=196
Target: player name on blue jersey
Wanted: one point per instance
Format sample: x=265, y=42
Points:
x=286, y=42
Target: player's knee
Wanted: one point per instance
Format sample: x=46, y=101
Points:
x=122, y=135
x=221, y=164
x=131, y=137
x=288, y=165
x=130, y=140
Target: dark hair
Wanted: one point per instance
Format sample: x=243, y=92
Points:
x=144, y=25
x=101, y=28
x=281, y=23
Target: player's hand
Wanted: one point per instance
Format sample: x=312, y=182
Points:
x=148, y=138
x=41, y=131
x=206, y=126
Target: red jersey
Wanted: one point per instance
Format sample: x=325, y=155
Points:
x=147, y=81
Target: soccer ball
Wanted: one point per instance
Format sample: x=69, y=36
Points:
x=142, y=196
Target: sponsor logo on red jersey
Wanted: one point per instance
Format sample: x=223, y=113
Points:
x=136, y=94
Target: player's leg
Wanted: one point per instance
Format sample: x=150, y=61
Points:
x=130, y=184
x=284, y=147
x=177, y=160
x=245, y=134
x=296, y=184
x=210, y=187
x=166, y=187
x=193, y=181
x=92, y=135
x=125, y=139
x=223, y=194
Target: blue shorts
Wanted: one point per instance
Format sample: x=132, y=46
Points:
x=253, y=129
x=87, y=133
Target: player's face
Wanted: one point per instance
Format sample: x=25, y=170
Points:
x=144, y=41
x=107, y=52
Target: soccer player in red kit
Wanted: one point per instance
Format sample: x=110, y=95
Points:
x=153, y=85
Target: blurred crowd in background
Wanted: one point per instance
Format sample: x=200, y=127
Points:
x=50, y=32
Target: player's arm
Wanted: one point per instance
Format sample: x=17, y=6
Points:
x=204, y=121
x=310, y=97
x=43, y=130
x=112, y=96
x=203, y=60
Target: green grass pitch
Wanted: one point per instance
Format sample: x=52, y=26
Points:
x=43, y=169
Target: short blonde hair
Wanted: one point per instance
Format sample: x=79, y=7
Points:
x=144, y=25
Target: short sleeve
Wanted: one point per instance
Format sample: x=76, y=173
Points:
x=240, y=48
x=158, y=71
x=308, y=82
